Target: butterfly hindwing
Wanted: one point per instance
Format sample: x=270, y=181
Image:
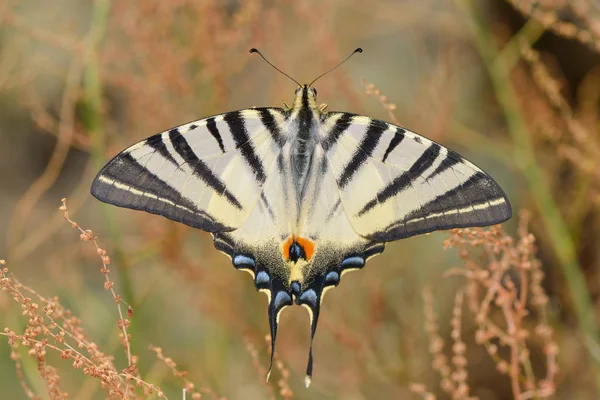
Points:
x=394, y=183
x=207, y=174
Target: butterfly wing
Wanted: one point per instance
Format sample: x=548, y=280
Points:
x=394, y=183
x=207, y=174
x=222, y=174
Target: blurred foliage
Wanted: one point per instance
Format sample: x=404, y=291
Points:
x=512, y=85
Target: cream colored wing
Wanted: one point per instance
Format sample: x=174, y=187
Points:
x=394, y=183
x=207, y=174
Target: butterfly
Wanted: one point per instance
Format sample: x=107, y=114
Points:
x=299, y=196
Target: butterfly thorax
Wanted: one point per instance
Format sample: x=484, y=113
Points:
x=304, y=122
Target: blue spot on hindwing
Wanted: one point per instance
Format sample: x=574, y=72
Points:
x=332, y=278
x=310, y=297
x=241, y=261
x=282, y=298
x=262, y=277
x=353, y=262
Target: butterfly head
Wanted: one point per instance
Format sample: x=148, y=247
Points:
x=306, y=98
x=306, y=95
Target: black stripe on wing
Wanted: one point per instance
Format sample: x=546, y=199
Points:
x=200, y=169
x=211, y=125
x=451, y=159
x=119, y=180
x=363, y=152
x=224, y=243
x=403, y=181
x=333, y=210
x=338, y=129
x=396, y=140
x=156, y=142
x=272, y=126
x=235, y=121
x=478, y=201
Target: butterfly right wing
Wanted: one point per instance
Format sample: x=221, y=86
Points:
x=207, y=174
x=394, y=183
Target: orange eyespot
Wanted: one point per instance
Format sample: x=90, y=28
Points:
x=308, y=246
x=293, y=248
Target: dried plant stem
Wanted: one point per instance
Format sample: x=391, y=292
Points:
x=55, y=328
x=524, y=157
x=16, y=357
x=92, y=83
x=285, y=391
x=108, y=284
x=92, y=88
x=506, y=284
x=547, y=15
x=33, y=240
x=92, y=119
x=257, y=363
x=510, y=54
x=66, y=124
x=59, y=155
x=190, y=388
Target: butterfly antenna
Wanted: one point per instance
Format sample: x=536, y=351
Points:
x=253, y=50
x=358, y=50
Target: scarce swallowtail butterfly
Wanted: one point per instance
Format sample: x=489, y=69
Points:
x=299, y=196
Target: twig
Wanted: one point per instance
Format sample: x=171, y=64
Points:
x=87, y=235
x=50, y=174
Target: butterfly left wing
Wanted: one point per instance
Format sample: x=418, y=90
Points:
x=207, y=174
x=394, y=183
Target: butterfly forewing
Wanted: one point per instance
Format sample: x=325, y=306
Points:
x=394, y=183
x=207, y=174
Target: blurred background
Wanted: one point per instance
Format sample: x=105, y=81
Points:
x=513, y=85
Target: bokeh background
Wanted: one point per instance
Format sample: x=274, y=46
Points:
x=512, y=85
